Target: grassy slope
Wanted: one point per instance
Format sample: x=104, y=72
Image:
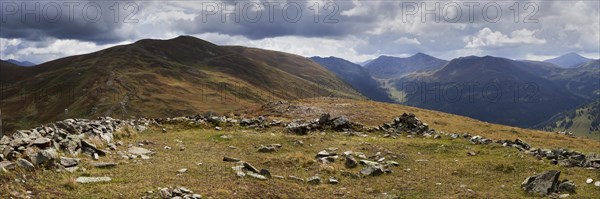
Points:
x=496, y=172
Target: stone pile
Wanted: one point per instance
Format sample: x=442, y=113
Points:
x=172, y=193
x=568, y=158
x=325, y=122
x=41, y=146
x=246, y=169
x=407, y=123
x=562, y=157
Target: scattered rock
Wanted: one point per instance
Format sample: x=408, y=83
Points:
x=46, y=157
x=239, y=170
x=589, y=181
x=228, y=159
x=332, y=180
x=567, y=187
x=25, y=164
x=265, y=173
x=325, y=153
x=103, y=164
x=351, y=162
x=249, y=167
x=138, y=151
x=84, y=180
x=314, y=180
x=542, y=184
x=266, y=149
x=69, y=162
x=597, y=183
x=299, y=179
x=371, y=168
x=256, y=175
x=182, y=170
x=176, y=193
x=340, y=123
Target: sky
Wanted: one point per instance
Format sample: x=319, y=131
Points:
x=40, y=31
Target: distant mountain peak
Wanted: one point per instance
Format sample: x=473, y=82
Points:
x=569, y=60
x=21, y=63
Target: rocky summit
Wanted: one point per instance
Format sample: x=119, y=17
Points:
x=319, y=153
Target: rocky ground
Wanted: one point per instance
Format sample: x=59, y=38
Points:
x=277, y=156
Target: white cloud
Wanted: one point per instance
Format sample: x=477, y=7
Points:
x=486, y=37
x=407, y=41
x=58, y=48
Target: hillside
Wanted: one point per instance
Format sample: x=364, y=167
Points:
x=159, y=78
x=491, y=89
x=256, y=157
x=582, y=121
x=386, y=67
x=356, y=76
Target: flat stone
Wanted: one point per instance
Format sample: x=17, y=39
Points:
x=103, y=164
x=145, y=157
x=238, y=170
x=69, y=162
x=332, y=180
x=182, y=170
x=7, y=165
x=249, y=167
x=266, y=149
x=228, y=159
x=138, y=150
x=25, y=164
x=299, y=179
x=589, y=181
x=71, y=169
x=42, y=141
x=256, y=175
x=315, y=180
x=325, y=153
x=84, y=180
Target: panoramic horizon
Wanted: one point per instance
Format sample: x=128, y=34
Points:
x=537, y=58
x=191, y=99
x=353, y=30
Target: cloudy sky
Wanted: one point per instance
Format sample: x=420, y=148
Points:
x=354, y=30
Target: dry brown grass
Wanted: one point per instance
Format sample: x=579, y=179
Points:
x=495, y=172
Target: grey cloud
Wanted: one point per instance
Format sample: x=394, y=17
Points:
x=94, y=21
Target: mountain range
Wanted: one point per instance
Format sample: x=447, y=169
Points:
x=493, y=89
x=20, y=63
x=187, y=75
